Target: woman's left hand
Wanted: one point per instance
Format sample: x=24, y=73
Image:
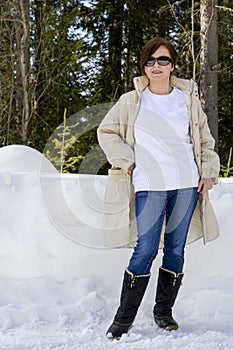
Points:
x=205, y=185
x=131, y=169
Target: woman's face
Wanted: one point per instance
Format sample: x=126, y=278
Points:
x=158, y=73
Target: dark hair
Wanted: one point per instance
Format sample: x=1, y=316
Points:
x=151, y=46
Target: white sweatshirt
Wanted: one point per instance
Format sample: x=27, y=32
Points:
x=163, y=149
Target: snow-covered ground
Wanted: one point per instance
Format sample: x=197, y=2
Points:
x=59, y=289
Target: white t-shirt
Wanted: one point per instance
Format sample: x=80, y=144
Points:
x=163, y=150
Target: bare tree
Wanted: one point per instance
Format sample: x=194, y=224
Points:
x=209, y=62
x=22, y=57
x=6, y=73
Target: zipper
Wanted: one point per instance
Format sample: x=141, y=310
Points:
x=133, y=281
x=174, y=281
x=134, y=278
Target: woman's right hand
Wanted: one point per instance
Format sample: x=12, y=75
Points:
x=131, y=169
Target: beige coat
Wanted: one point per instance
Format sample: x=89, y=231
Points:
x=116, y=138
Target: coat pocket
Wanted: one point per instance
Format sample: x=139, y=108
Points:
x=118, y=189
x=116, y=221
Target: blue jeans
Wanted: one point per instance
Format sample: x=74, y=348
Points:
x=177, y=206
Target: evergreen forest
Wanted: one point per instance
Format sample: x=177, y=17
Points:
x=64, y=63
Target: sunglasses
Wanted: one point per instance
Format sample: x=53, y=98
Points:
x=162, y=61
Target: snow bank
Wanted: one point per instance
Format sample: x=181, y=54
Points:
x=59, y=289
x=50, y=223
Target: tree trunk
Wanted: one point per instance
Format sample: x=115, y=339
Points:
x=115, y=47
x=22, y=56
x=209, y=61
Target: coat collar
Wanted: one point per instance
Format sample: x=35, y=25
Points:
x=140, y=83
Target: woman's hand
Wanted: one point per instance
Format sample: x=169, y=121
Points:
x=205, y=185
x=131, y=169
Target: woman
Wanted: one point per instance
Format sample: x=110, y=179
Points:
x=158, y=135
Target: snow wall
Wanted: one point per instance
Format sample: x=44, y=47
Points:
x=50, y=223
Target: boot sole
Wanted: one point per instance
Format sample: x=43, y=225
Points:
x=109, y=336
x=169, y=328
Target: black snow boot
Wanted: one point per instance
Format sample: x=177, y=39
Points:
x=167, y=289
x=133, y=289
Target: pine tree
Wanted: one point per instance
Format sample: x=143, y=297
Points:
x=209, y=64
